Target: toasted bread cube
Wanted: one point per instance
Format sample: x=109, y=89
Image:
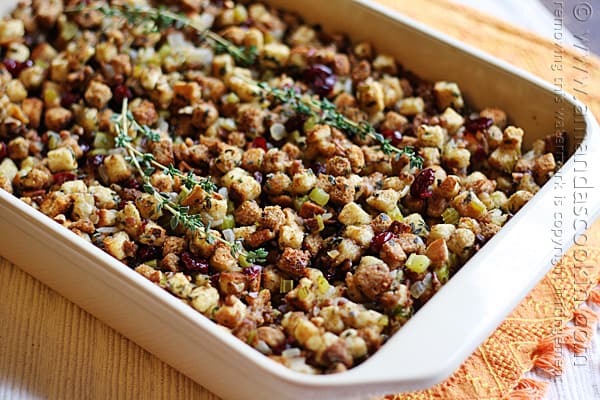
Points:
x=61, y=159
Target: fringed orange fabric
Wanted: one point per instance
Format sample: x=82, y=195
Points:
x=595, y=296
x=578, y=339
x=547, y=356
x=528, y=389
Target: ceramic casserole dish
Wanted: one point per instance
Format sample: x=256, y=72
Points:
x=444, y=332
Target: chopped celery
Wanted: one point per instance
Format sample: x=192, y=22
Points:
x=322, y=284
x=228, y=222
x=243, y=261
x=286, y=285
x=450, y=216
x=443, y=273
x=299, y=201
x=319, y=196
x=418, y=263
x=53, y=140
x=320, y=222
x=310, y=123
x=103, y=141
x=303, y=293
x=395, y=214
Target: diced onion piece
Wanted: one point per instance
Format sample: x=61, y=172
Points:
x=277, y=131
x=418, y=263
x=228, y=232
x=291, y=353
x=319, y=196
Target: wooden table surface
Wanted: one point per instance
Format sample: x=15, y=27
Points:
x=50, y=348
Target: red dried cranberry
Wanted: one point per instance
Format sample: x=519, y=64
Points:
x=193, y=263
x=214, y=279
x=318, y=168
x=94, y=161
x=295, y=122
x=132, y=183
x=320, y=78
x=478, y=124
x=120, y=93
x=69, y=98
x=395, y=137
x=253, y=271
x=62, y=177
x=420, y=187
x=146, y=253
x=479, y=154
x=260, y=143
x=15, y=67
x=3, y=150
x=258, y=177
x=380, y=239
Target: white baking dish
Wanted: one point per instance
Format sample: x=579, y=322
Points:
x=442, y=334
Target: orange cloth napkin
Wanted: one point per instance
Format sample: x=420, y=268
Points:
x=533, y=335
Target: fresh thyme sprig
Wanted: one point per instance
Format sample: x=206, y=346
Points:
x=160, y=18
x=145, y=164
x=149, y=162
x=326, y=113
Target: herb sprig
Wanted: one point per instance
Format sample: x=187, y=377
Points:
x=326, y=113
x=157, y=19
x=146, y=164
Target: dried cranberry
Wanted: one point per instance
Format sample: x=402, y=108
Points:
x=69, y=98
x=214, y=280
x=253, y=271
x=146, y=253
x=320, y=78
x=62, y=177
x=3, y=150
x=95, y=161
x=193, y=263
x=318, y=168
x=120, y=93
x=394, y=136
x=258, y=177
x=380, y=239
x=478, y=124
x=259, y=143
x=132, y=183
x=15, y=67
x=295, y=122
x=479, y=154
x=420, y=187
